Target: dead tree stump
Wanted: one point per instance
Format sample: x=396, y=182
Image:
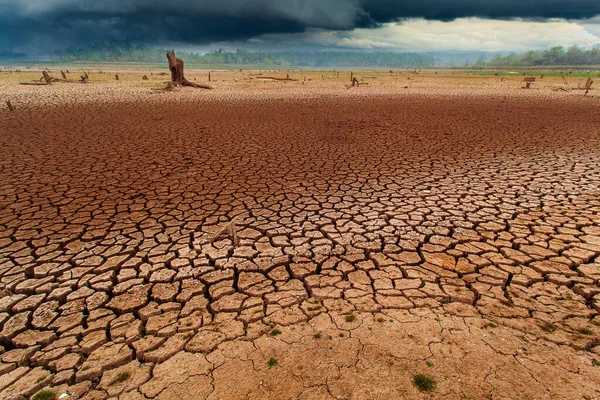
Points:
x=64, y=76
x=47, y=77
x=10, y=106
x=116, y=77
x=176, y=68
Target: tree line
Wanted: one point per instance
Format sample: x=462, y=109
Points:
x=554, y=56
x=119, y=52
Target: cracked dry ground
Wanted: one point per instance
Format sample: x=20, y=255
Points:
x=380, y=236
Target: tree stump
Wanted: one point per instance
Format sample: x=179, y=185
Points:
x=10, y=106
x=116, y=77
x=47, y=77
x=63, y=74
x=176, y=68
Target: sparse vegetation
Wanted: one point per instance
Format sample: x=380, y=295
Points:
x=45, y=394
x=40, y=379
x=272, y=362
x=596, y=363
x=275, y=332
x=490, y=325
x=120, y=378
x=429, y=364
x=350, y=318
x=317, y=335
x=424, y=383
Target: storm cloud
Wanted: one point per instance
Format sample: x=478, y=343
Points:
x=37, y=23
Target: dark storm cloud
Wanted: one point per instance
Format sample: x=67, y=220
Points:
x=38, y=22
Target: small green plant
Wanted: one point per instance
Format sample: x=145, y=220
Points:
x=317, y=336
x=85, y=368
x=380, y=320
x=275, y=332
x=40, y=379
x=596, y=363
x=45, y=394
x=272, y=362
x=424, y=383
x=429, y=364
x=350, y=318
x=120, y=378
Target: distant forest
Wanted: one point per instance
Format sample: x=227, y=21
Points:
x=554, y=56
x=142, y=53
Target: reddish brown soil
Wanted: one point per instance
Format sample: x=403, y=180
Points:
x=383, y=233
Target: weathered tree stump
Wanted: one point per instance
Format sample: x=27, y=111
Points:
x=116, y=77
x=47, y=78
x=177, y=76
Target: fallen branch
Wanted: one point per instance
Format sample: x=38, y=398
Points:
x=287, y=78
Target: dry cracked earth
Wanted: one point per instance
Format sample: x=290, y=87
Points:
x=378, y=233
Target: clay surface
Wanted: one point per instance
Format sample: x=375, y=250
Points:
x=378, y=233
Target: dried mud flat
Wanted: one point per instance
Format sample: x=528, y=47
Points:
x=381, y=233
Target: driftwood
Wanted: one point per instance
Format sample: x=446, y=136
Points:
x=230, y=229
x=10, y=106
x=528, y=81
x=287, y=78
x=588, y=86
x=47, y=79
x=177, y=76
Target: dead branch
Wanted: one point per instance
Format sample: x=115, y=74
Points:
x=277, y=79
x=10, y=106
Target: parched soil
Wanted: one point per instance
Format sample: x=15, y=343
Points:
x=288, y=241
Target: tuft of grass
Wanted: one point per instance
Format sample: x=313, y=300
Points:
x=317, y=335
x=350, y=318
x=380, y=320
x=596, y=363
x=40, y=379
x=429, y=364
x=272, y=362
x=547, y=327
x=424, y=383
x=120, y=378
x=45, y=394
x=585, y=331
x=275, y=332
x=85, y=368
